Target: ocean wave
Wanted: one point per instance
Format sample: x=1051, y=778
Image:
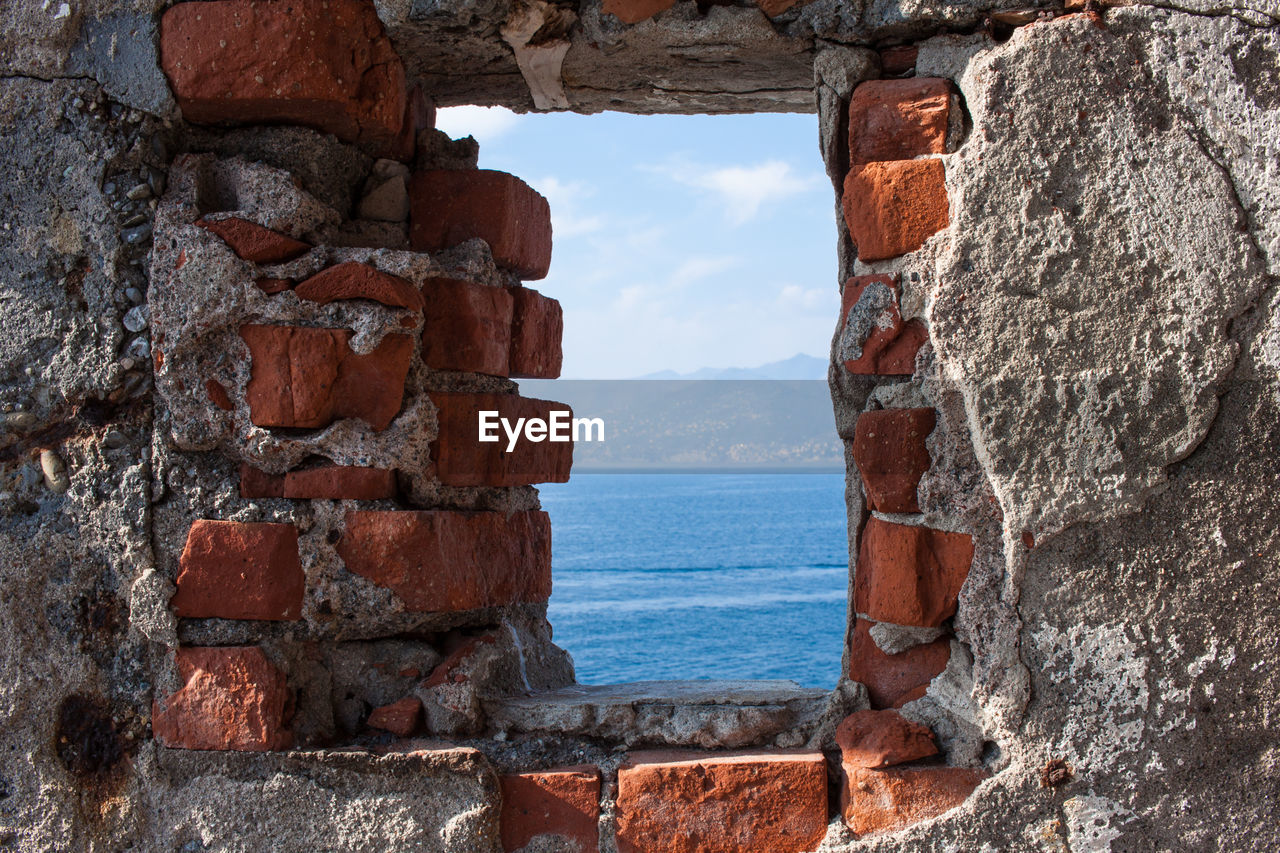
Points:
x=568, y=572
x=752, y=601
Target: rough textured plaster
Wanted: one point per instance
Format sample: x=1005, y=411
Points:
x=1112, y=354
x=1097, y=328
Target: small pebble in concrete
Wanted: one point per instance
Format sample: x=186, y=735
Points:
x=139, y=348
x=136, y=319
x=137, y=234
x=20, y=421
x=55, y=471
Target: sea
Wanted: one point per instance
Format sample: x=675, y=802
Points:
x=698, y=576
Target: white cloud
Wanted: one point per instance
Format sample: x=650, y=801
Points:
x=639, y=234
x=565, y=199
x=743, y=189
x=652, y=296
x=645, y=328
x=484, y=123
x=697, y=269
x=632, y=297
x=807, y=299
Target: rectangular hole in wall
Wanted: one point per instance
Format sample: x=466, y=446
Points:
x=706, y=537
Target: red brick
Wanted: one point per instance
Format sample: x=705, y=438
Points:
x=894, y=680
x=353, y=280
x=899, y=119
x=444, y=562
x=256, y=483
x=451, y=207
x=763, y=802
x=889, y=449
x=563, y=803
x=234, y=570
x=332, y=482
x=326, y=64
x=401, y=718
x=892, y=208
x=635, y=11
x=419, y=115
x=253, y=242
x=536, y=333
x=466, y=326
x=879, y=801
x=371, y=387
x=898, y=59
x=302, y=377
x=218, y=395
x=877, y=739
x=774, y=8
x=910, y=575
x=232, y=698
x=461, y=459
x=293, y=374
x=341, y=482
x=889, y=350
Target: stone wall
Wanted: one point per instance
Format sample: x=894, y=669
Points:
x=261, y=590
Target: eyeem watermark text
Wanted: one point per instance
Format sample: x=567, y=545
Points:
x=561, y=426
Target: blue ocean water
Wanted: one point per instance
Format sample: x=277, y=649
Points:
x=685, y=576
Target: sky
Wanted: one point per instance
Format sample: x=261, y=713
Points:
x=680, y=242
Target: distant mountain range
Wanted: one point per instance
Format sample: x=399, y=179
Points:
x=693, y=424
x=799, y=366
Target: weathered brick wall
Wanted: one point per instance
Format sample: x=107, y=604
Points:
x=265, y=591
x=334, y=359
